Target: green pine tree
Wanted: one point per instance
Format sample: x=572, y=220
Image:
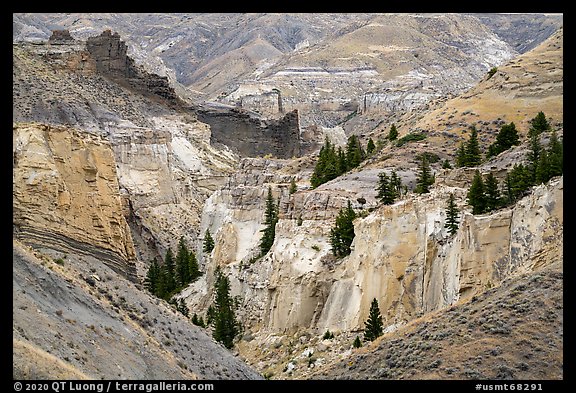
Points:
x=210, y=315
x=425, y=178
x=461, y=156
x=385, y=193
x=153, y=277
x=182, y=268
x=452, y=214
x=225, y=324
x=193, y=268
x=342, y=234
x=370, y=147
x=341, y=163
x=182, y=307
x=329, y=165
x=476, y=196
x=446, y=164
x=538, y=125
x=357, y=343
x=534, y=157
x=518, y=180
x=293, y=187
x=473, y=154
x=208, y=244
x=396, y=183
x=168, y=275
x=374, y=326
x=506, y=138
x=542, y=174
x=270, y=220
x=198, y=321
x=492, y=193
x=354, y=152
x=555, y=155
x=392, y=133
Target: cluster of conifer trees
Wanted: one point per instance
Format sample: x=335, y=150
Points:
x=486, y=194
x=174, y=274
x=334, y=162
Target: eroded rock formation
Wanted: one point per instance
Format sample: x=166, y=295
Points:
x=66, y=195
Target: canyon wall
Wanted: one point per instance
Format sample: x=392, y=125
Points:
x=66, y=195
x=402, y=254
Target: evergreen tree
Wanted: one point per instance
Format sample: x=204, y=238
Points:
x=389, y=188
x=555, y=155
x=208, y=244
x=506, y=138
x=153, y=277
x=476, y=197
x=518, y=180
x=182, y=267
x=534, y=157
x=374, y=326
x=354, y=152
x=492, y=193
x=452, y=214
x=341, y=161
x=370, y=147
x=342, y=234
x=446, y=164
x=198, y=321
x=168, y=275
x=461, y=156
x=357, y=343
x=225, y=324
x=396, y=184
x=270, y=220
x=385, y=193
x=182, y=307
x=210, y=315
x=473, y=154
x=538, y=125
x=193, y=268
x=392, y=133
x=425, y=178
x=293, y=187
x=542, y=173
x=328, y=166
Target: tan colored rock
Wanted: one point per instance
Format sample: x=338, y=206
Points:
x=66, y=195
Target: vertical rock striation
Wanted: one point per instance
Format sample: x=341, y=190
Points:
x=66, y=195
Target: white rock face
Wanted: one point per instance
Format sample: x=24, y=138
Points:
x=402, y=255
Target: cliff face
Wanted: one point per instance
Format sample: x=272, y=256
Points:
x=405, y=258
x=165, y=163
x=402, y=254
x=251, y=136
x=66, y=195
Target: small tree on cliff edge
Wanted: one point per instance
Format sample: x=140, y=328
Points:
x=208, y=245
x=270, y=220
x=374, y=325
x=451, y=216
x=342, y=234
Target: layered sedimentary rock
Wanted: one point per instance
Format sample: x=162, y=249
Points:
x=66, y=195
x=402, y=254
x=252, y=136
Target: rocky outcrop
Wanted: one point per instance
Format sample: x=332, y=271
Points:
x=110, y=54
x=404, y=257
x=252, y=136
x=402, y=254
x=66, y=195
x=60, y=37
